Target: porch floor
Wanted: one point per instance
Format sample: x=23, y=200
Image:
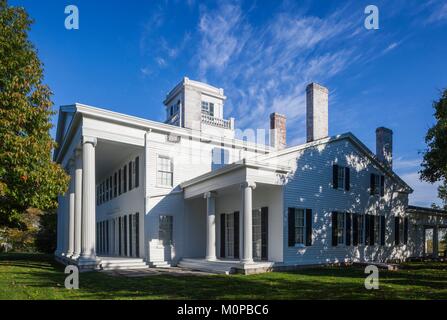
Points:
x=226, y=266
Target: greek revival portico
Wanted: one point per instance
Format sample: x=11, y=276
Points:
x=244, y=178
x=76, y=212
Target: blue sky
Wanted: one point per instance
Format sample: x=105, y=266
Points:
x=128, y=54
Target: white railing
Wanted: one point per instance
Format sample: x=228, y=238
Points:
x=216, y=122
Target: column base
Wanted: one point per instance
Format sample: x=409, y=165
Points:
x=247, y=261
x=87, y=263
x=211, y=258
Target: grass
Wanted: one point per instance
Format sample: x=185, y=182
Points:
x=36, y=276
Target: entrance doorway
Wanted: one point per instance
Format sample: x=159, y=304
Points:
x=428, y=241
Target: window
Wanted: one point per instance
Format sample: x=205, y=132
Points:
x=377, y=185
x=341, y=177
x=110, y=188
x=119, y=182
x=208, y=108
x=361, y=229
x=97, y=195
x=164, y=171
x=377, y=229
x=299, y=226
x=341, y=228
x=165, y=230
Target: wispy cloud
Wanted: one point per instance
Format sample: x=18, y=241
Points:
x=424, y=193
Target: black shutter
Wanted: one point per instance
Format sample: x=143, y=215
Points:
x=130, y=236
x=125, y=235
x=125, y=179
x=107, y=236
x=405, y=230
x=137, y=172
x=355, y=229
x=335, y=176
x=382, y=186
x=137, y=234
x=120, y=250
x=367, y=232
x=334, y=228
x=382, y=230
x=348, y=228
x=372, y=226
x=119, y=182
x=372, y=184
x=347, y=179
x=222, y=235
x=308, y=227
x=236, y=234
x=396, y=230
x=264, y=233
x=130, y=176
x=291, y=228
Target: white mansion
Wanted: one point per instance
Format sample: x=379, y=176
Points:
x=187, y=192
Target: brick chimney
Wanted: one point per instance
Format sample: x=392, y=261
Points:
x=384, y=146
x=278, y=131
x=317, y=98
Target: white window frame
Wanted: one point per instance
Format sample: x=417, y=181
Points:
x=300, y=227
x=159, y=182
x=341, y=235
x=341, y=177
x=206, y=107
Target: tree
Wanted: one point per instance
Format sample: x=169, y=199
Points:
x=434, y=164
x=28, y=176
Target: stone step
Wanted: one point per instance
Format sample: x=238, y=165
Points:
x=159, y=264
x=127, y=267
x=206, y=267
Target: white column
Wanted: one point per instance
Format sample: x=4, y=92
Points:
x=88, y=232
x=71, y=211
x=64, y=230
x=78, y=204
x=247, y=212
x=210, y=225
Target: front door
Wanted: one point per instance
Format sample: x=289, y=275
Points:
x=428, y=241
x=229, y=234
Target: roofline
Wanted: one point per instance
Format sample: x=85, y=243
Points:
x=95, y=112
x=353, y=139
x=207, y=88
x=417, y=209
x=244, y=163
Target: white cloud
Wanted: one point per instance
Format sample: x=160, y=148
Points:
x=424, y=193
x=439, y=14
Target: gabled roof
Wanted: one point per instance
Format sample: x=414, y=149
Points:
x=355, y=141
x=424, y=210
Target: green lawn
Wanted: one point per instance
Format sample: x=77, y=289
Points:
x=34, y=276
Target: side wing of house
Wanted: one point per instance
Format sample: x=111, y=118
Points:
x=341, y=205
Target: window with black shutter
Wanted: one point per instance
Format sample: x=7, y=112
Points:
x=382, y=186
x=125, y=179
x=372, y=229
x=130, y=176
x=236, y=234
x=264, y=233
x=137, y=234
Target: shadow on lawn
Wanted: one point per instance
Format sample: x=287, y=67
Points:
x=315, y=283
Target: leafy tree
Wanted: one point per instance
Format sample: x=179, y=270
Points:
x=28, y=176
x=434, y=165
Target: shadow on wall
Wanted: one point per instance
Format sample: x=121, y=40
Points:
x=310, y=185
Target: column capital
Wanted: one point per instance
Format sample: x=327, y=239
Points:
x=92, y=140
x=210, y=194
x=248, y=184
